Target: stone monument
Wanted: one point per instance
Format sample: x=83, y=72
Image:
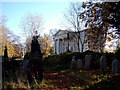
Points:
x=68, y=42
x=34, y=69
x=5, y=54
x=115, y=66
x=73, y=63
x=103, y=63
x=87, y=59
x=79, y=64
x=5, y=66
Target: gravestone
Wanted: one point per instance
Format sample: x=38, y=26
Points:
x=115, y=66
x=5, y=54
x=34, y=69
x=73, y=62
x=5, y=65
x=103, y=63
x=87, y=60
x=79, y=64
x=24, y=65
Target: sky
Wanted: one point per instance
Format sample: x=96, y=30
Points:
x=51, y=11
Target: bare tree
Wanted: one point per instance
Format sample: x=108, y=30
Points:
x=29, y=24
x=77, y=24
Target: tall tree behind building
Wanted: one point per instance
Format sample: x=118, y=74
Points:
x=75, y=23
x=100, y=18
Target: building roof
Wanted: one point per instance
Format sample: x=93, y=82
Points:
x=65, y=31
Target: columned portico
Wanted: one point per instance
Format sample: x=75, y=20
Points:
x=64, y=40
x=60, y=45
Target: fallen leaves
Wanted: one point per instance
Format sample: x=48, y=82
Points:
x=70, y=79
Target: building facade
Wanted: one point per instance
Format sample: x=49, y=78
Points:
x=62, y=43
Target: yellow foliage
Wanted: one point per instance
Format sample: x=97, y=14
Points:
x=7, y=42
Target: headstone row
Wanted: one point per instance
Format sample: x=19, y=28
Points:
x=78, y=64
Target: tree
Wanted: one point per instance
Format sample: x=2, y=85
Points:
x=46, y=44
x=52, y=32
x=101, y=18
x=113, y=9
x=113, y=19
x=77, y=24
x=29, y=24
x=8, y=39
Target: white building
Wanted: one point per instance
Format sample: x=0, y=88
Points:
x=61, y=43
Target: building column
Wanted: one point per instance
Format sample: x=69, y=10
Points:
x=54, y=46
x=63, y=46
x=58, y=45
x=68, y=42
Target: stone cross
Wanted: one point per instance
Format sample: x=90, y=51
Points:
x=79, y=64
x=68, y=42
x=87, y=59
x=103, y=63
x=115, y=66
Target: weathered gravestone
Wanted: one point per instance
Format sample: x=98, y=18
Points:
x=73, y=63
x=5, y=54
x=5, y=66
x=4, y=62
x=79, y=64
x=103, y=63
x=115, y=66
x=87, y=60
x=34, y=69
x=24, y=65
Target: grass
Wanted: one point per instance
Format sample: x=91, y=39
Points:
x=66, y=79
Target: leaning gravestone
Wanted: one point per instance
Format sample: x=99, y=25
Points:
x=79, y=64
x=87, y=59
x=103, y=63
x=115, y=66
x=73, y=63
x=34, y=69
